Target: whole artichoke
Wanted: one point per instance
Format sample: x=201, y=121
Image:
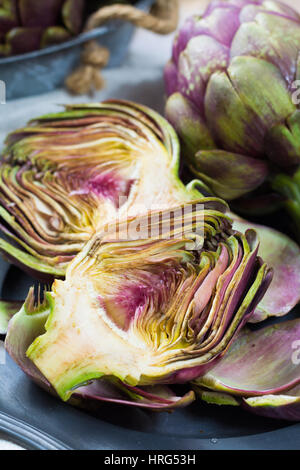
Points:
x=66, y=175
x=233, y=87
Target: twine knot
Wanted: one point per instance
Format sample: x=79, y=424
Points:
x=163, y=19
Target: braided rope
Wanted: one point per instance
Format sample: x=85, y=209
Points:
x=163, y=19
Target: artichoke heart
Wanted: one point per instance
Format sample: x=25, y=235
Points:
x=67, y=175
x=149, y=310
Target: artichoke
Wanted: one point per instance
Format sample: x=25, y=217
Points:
x=28, y=25
x=258, y=373
x=66, y=175
x=143, y=312
x=233, y=94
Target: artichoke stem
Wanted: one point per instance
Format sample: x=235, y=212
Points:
x=289, y=187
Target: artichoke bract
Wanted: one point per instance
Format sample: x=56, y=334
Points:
x=283, y=254
x=67, y=175
x=146, y=311
x=233, y=88
x=260, y=372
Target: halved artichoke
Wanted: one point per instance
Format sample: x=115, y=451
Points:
x=260, y=372
x=146, y=311
x=30, y=323
x=67, y=175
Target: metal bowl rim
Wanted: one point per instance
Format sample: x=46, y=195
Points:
x=76, y=41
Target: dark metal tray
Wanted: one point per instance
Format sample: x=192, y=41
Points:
x=37, y=420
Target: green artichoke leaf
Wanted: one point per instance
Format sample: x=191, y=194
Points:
x=282, y=142
x=8, y=17
x=189, y=124
x=229, y=175
x=54, y=35
x=7, y=310
x=72, y=14
x=66, y=175
x=285, y=406
x=151, y=311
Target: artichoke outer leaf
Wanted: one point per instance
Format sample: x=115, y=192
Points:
x=189, y=125
x=258, y=363
x=216, y=398
x=283, y=255
x=22, y=40
x=263, y=38
x=34, y=13
x=229, y=175
x=8, y=21
x=7, y=310
x=155, y=398
x=282, y=142
x=72, y=14
x=54, y=35
x=283, y=407
x=23, y=328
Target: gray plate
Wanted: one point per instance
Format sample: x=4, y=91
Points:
x=44, y=70
x=37, y=420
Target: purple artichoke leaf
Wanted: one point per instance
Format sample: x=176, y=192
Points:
x=8, y=20
x=7, y=310
x=23, y=40
x=72, y=14
x=258, y=363
x=155, y=398
x=257, y=39
x=203, y=56
x=283, y=255
x=34, y=13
